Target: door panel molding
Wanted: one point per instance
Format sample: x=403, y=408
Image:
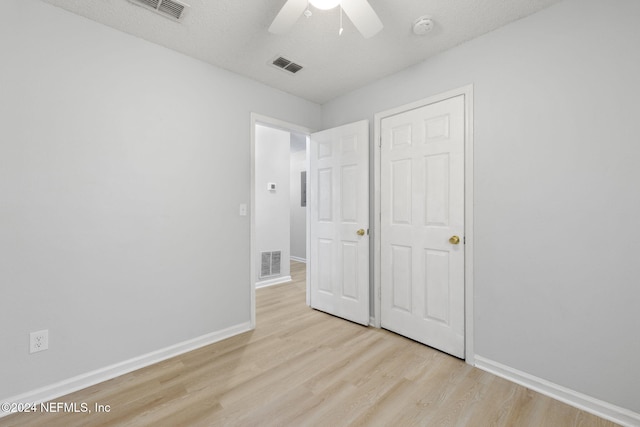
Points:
x=434, y=136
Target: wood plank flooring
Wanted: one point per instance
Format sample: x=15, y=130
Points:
x=301, y=367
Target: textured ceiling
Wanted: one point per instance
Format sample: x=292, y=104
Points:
x=232, y=34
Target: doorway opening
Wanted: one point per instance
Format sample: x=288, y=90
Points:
x=279, y=225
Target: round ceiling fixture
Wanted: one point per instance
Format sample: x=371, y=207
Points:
x=422, y=25
x=324, y=4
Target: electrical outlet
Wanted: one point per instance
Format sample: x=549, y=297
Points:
x=38, y=341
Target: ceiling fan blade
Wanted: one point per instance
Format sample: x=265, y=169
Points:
x=363, y=16
x=288, y=16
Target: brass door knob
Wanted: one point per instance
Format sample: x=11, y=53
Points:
x=454, y=240
x=360, y=232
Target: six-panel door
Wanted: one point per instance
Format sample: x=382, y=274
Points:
x=339, y=221
x=422, y=224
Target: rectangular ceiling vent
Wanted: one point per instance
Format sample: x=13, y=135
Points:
x=287, y=65
x=168, y=8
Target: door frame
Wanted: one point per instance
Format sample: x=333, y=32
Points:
x=467, y=92
x=253, y=268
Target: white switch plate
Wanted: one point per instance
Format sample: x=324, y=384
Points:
x=243, y=209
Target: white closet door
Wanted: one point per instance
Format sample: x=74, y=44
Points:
x=422, y=224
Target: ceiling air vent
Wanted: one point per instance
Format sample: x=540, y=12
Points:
x=169, y=8
x=287, y=65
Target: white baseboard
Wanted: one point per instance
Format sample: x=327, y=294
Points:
x=295, y=258
x=579, y=400
x=271, y=282
x=88, y=379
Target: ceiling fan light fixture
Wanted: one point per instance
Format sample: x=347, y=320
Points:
x=360, y=12
x=324, y=4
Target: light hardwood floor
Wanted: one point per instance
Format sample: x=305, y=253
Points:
x=301, y=367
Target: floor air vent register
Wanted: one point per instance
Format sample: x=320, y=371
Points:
x=270, y=264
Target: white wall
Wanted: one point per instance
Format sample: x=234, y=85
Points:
x=122, y=166
x=298, y=213
x=556, y=206
x=272, y=207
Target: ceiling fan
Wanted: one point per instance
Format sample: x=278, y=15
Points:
x=359, y=11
